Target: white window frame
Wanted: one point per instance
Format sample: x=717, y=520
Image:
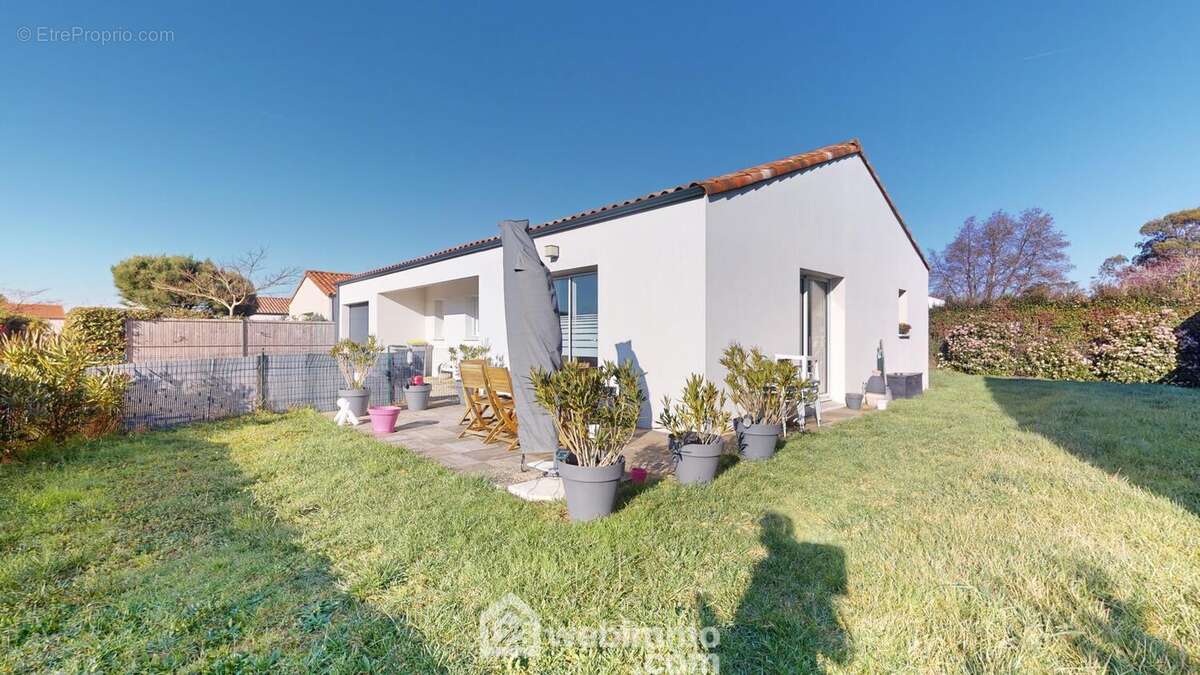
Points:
x=472, y=318
x=439, y=320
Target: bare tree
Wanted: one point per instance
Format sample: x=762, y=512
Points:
x=233, y=284
x=18, y=299
x=1003, y=255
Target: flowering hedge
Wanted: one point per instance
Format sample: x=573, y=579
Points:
x=1137, y=348
x=1119, y=341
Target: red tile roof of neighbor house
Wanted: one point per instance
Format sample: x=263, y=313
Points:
x=39, y=310
x=708, y=186
x=326, y=281
x=271, y=305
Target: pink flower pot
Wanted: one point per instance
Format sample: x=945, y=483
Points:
x=383, y=418
x=638, y=475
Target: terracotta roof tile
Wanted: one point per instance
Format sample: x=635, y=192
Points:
x=39, y=310
x=327, y=281
x=781, y=167
x=267, y=304
x=710, y=186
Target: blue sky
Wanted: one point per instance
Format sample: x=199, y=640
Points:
x=346, y=139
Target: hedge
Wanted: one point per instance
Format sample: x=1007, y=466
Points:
x=1112, y=339
x=102, y=329
x=12, y=324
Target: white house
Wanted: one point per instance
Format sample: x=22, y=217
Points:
x=805, y=255
x=314, y=295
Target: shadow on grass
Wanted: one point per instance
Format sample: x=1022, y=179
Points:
x=1144, y=432
x=1114, y=633
x=787, y=619
x=173, y=565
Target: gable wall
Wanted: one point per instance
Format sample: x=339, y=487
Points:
x=831, y=219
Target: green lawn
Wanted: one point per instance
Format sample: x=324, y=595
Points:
x=992, y=525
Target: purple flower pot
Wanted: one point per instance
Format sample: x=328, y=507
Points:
x=383, y=418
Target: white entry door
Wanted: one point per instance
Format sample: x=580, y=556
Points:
x=814, y=340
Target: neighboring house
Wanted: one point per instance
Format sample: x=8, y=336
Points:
x=314, y=296
x=51, y=314
x=268, y=308
x=805, y=255
x=936, y=302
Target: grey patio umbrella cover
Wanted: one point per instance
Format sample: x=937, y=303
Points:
x=534, y=335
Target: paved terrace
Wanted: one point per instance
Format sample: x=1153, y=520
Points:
x=433, y=433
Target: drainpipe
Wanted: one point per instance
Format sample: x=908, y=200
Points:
x=337, y=306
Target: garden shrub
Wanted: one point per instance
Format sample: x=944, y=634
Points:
x=1054, y=359
x=1136, y=347
x=102, y=329
x=13, y=323
x=983, y=348
x=49, y=392
x=18, y=403
x=1125, y=339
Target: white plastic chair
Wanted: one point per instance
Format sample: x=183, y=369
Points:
x=810, y=369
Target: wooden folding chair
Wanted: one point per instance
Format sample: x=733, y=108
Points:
x=500, y=394
x=475, y=386
x=467, y=414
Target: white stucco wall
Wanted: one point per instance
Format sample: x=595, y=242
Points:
x=831, y=219
x=309, y=298
x=676, y=284
x=650, y=293
x=401, y=303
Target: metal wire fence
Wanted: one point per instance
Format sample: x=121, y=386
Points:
x=168, y=393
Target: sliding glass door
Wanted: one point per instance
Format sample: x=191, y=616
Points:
x=578, y=317
x=815, y=339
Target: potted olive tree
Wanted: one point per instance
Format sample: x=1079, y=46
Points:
x=695, y=425
x=595, y=411
x=764, y=391
x=355, y=361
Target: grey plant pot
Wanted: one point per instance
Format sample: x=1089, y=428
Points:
x=462, y=393
x=697, y=463
x=757, y=441
x=358, y=399
x=854, y=401
x=417, y=397
x=591, y=490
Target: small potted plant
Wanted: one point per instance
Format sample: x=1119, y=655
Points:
x=764, y=391
x=467, y=352
x=694, y=426
x=595, y=412
x=355, y=362
x=905, y=329
x=416, y=393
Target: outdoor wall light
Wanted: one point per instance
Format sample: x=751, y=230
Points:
x=551, y=251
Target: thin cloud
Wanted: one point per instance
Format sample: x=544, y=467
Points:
x=1042, y=55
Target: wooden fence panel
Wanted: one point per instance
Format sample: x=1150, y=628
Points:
x=173, y=339
x=288, y=337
